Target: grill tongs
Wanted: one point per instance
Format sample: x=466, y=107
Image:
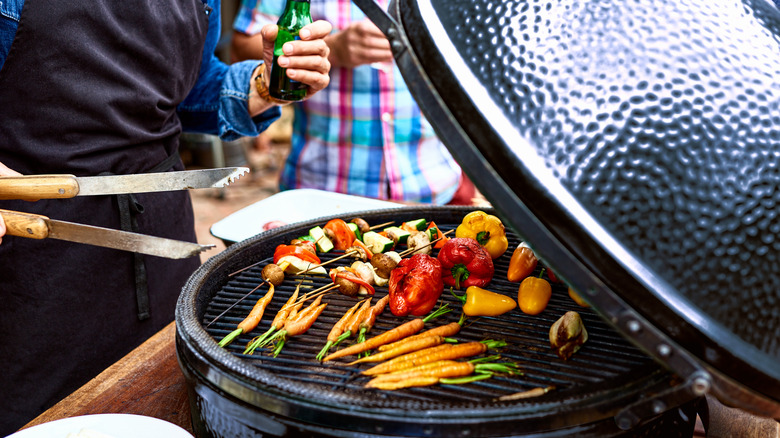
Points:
x=34, y=187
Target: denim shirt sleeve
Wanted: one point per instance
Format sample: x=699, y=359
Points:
x=217, y=104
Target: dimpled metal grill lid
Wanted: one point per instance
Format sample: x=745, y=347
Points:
x=644, y=137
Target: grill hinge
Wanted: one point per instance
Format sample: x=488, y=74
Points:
x=697, y=385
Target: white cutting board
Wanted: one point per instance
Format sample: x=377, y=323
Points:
x=289, y=207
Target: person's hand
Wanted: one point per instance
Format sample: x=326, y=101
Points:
x=360, y=43
x=5, y=171
x=306, y=60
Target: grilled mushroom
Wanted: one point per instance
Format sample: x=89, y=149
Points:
x=383, y=264
x=420, y=242
x=273, y=274
x=362, y=225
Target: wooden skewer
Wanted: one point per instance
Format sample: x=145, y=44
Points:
x=244, y=269
x=346, y=254
x=411, y=250
x=313, y=294
x=234, y=305
x=381, y=225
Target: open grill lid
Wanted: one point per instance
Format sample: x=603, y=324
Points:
x=638, y=144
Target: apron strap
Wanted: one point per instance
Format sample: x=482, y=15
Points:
x=129, y=208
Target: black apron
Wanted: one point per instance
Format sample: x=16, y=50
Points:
x=91, y=88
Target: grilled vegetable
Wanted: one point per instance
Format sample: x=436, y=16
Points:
x=408, y=328
x=337, y=331
x=339, y=233
x=485, y=229
x=415, y=285
x=577, y=298
x=321, y=240
x=433, y=354
x=368, y=322
x=252, y=320
x=297, y=324
x=377, y=242
x=568, y=334
x=350, y=282
x=446, y=330
x=443, y=371
x=465, y=263
x=406, y=347
x=385, y=263
x=397, y=235
x=434, y=232
x=533, y=294
x=420, y=242
x=362, y=225
x=273, y=273
x=277, y=323
x=522, y=263
x=481, y=302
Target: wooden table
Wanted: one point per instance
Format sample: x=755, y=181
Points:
x=148, y=381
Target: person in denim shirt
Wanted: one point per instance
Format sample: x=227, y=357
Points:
x=106, y=87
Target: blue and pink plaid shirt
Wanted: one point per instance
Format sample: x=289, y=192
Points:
x=364, y=134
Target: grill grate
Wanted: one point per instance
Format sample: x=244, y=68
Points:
x=605, y=360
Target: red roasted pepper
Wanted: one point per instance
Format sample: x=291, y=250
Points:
x=297, y=251
x=415, y=285
x=465, y=263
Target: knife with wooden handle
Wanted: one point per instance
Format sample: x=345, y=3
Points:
x=35, y=226
x=67, y=186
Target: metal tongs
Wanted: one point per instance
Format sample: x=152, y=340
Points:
x=33, y=187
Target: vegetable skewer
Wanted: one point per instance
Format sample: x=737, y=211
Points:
x=252, y=320
x=272, y=273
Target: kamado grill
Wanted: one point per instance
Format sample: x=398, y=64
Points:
x=635, y=147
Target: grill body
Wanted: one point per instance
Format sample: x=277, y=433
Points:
x=603, y=390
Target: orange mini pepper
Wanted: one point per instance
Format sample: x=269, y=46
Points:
x=533, y=294
x=577, y=298
x=522, y=263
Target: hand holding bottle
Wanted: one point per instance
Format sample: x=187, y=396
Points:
x=305, y=59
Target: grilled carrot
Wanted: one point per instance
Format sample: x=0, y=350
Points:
x=408, y=347
x=443, y=330
x=368, y=322
x=296, y=324
x=408, y=328
x=351, y=327
x=277, y=323
x=445, y=371
x=433, y=354
x=252, y=320
x=337, y=330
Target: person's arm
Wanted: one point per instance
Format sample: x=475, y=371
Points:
x=224, y=101
x=359, y=43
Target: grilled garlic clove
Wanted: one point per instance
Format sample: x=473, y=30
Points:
x=568, y=334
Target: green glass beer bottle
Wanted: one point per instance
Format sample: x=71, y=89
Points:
x=296, y=15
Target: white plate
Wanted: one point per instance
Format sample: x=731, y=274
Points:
x=289, y=207
x=113, y=425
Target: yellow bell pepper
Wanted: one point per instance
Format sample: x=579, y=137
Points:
x=485, y=229
x=482, y=302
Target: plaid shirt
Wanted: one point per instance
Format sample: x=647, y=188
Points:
x=364, y=134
